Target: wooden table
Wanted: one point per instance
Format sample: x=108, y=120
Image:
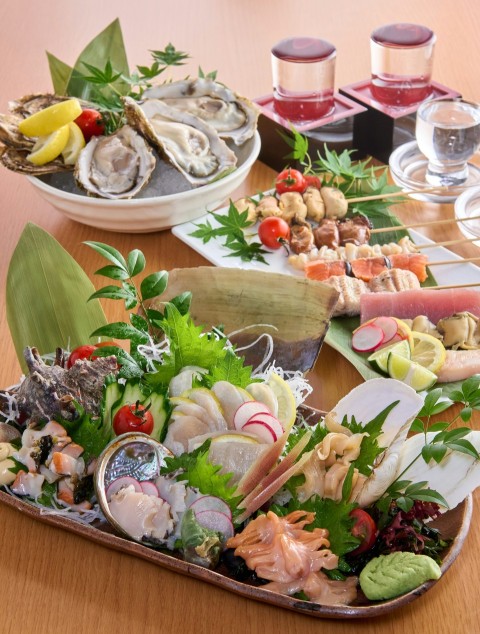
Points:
x=56, y=582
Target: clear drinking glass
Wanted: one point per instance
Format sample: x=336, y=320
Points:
x=448, y=134
x=401, y=63
x=303, y=70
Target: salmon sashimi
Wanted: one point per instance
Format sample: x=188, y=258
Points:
x=415, y=262
x=321, y=270
x=367, y=268
x=408, y=304
x=459, y=365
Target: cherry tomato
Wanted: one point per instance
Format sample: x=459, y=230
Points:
x=134, y=417
x=273, y=232
x=312, y=181
x=90, y=123
x=82, y=352
x=365, y=529
x=290, y=180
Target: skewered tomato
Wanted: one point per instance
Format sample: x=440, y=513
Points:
x=312, y=181
x=90, y=123
x=133, y=417
x=365, y=529
x=273, y=232
x=290, y=180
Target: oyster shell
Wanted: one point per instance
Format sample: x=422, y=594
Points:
x=189, y=143
x=232, y=116
x=115, y=166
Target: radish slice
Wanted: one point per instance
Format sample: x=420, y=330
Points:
x=149, y=488
x=389, y=327
x=246, y=411
x=122, y=483
x=211, y=503
x=269, y=420
x=367, y=338
x=216, y=521
x=262, y=430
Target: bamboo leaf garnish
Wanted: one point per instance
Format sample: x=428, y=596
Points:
x=47, y=293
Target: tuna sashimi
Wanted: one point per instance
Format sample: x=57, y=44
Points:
x=409, y=304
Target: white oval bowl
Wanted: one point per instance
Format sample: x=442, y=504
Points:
x=143, y=215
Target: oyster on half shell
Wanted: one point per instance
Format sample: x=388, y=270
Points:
x=232, y=116
x=189, y=143
x=115, y=166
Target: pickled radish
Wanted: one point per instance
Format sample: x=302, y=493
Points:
x=122, y=483
x=216, y=521
x=246, y=411
x=211, y=503
x=367, y=338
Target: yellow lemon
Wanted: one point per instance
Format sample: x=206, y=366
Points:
x=75, y=144
x=47, y=148
x=287, y=409
x=50, y=119
x=428, y=351
x=410, y=372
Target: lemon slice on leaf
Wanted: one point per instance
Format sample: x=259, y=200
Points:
x=75, y=144
x=428, y=351
x=50, y=119
x=410, y=372
x=287, y=408
x=47, y=148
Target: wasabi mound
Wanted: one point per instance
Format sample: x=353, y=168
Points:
x=390, y=575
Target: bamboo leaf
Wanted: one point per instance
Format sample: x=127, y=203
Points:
x=47, y=293
x=60, y=74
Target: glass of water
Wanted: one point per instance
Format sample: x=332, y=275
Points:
x=401, y=64
x=448, y=134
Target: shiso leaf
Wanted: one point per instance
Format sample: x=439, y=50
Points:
x=47, y=293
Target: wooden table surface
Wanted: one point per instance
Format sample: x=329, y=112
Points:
x=58, y=582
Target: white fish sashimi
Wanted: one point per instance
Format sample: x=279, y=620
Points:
x=454, y=478
x=459, y=365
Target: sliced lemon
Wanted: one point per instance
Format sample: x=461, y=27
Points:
x=379, y=359
x=428, y=351
x=232, y=437
x=75, y=144
x=410, y=372
x=287, y=408
x=50, y=119
x=47, y=148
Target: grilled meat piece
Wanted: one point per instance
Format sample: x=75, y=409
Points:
x=354, y=230
x=301, y=236
x=327, y=234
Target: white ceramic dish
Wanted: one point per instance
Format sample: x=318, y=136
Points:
x=148, y=213
x=216, y=253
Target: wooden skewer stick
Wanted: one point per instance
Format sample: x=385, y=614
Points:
x=447, y=243
x=364, y=199
x=444, y=286
x=424, y=224
x=461, y=261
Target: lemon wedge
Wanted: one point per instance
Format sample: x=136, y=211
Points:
x=379, y=359
x=47, y=148
x=50, y=119
x=287, y=408
x=75, y=144
x=428, y=351
x=410, y=372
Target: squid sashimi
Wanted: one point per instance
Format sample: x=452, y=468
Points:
x=409, y=304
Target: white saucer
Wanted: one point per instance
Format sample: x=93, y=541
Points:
x=408, y=167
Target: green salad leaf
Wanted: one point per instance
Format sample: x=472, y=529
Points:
x=196, y=469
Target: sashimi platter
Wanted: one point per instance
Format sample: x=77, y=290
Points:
x=181, y=435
